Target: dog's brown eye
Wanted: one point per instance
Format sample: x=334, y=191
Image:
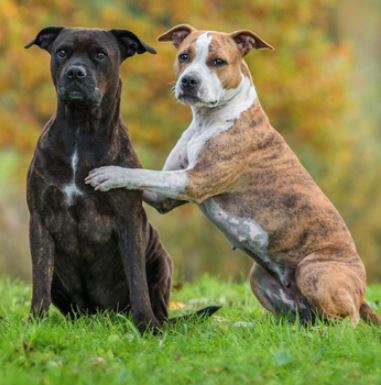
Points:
x=218, y=62
x=100, y=55
x=183, y=58
x=62, y=53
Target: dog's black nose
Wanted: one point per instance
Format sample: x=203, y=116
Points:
x=189, y=82
x=76, y=72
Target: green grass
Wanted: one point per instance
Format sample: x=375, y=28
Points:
x=243, y=344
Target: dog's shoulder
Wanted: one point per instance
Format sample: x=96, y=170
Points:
x=122, y=152
x=240, y=138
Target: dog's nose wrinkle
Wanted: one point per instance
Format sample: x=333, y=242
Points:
x=76, y=72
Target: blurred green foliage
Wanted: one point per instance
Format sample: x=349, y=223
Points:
x=307, y=86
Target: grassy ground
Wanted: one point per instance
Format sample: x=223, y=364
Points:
x=242, y=345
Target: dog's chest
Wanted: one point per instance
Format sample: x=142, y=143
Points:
x=201, y=135
x=71, y=189
x=71, y=212
x=81, y=222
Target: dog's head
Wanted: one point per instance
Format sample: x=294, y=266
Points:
x=85, y=62
x=209, y=64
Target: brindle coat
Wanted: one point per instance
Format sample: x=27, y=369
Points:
x=91, y=251
x=251, y=172
x=250, y=184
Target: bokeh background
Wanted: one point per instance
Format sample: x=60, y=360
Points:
x=320, y=87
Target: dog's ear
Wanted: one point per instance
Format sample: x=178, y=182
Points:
x=247, y=40
x=130, y=44
x=45, y=38
x=177, y=34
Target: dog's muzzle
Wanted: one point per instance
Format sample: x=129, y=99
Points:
x=78, y=87
x=189, y=86
x=189, y=83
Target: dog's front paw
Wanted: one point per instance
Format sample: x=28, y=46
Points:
x=148, y=325
x=107, y=178
x=38, y=310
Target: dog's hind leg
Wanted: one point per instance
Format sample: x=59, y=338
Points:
x=62, y=299
x=333, y=281
x=282, y=301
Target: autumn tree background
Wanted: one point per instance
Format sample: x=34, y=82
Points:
x=320, y=87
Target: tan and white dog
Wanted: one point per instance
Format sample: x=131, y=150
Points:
x=249, y=183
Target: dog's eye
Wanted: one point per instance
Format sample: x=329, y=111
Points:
x=183, y=58
x=218, y=62
x=100, y=55
x=62, y=53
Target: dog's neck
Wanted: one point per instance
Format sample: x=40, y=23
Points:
x=85, y=121
x=234, y=102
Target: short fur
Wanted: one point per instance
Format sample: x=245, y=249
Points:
x=250, y=184
x=91, y=251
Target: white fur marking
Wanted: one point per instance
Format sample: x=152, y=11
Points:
x=199, y=67
x=71, y=190
x=208, y=121
x=74, y=162
x=286, y=300
x=170, y=184
x=243, y=233
x=210, y=90
x=214, y=121
x=202, y=48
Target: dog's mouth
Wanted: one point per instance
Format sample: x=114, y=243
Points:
x=79, y=97
x=196, y=101
x=74, y=96
x=188, y=98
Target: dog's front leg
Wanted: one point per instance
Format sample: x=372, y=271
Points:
x=42, y=250
x=134, y=263
x=176, y=160
x=170, y=184
x=192, y=185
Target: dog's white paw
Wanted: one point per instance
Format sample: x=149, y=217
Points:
x=107, y=178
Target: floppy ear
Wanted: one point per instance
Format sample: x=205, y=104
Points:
x=177, y=34
x=130, y=44
x=45, y=38
x=247, y=40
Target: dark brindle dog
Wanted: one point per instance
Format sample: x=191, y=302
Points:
x=91, y=251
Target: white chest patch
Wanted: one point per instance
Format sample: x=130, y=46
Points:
x=213, y=122
x=71, y=190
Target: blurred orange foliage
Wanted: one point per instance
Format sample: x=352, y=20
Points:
x=303, y=86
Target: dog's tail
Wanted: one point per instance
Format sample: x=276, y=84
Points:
x=201, y=314
x=368, y=315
